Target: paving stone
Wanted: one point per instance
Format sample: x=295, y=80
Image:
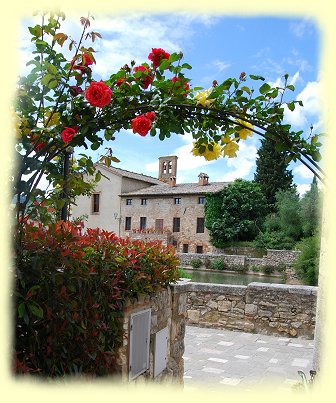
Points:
x=239, y=358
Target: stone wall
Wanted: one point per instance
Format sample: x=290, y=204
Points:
x=168, y=309
x=273, y=309
x=273, y=258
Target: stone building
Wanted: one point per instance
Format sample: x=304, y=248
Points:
x=146, y=208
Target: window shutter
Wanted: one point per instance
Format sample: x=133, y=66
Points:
x=139, y=343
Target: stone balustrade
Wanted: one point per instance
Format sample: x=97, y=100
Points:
x=273, y=309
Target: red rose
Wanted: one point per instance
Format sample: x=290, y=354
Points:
x=150, y=116
x=178, y=84
x=68, y=133
x=98, y=94
x=121, y=81
x=85, y=61
x=141, y=124
x=157, y=55
x=146, y=78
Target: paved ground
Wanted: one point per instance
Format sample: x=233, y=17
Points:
x=229, y=359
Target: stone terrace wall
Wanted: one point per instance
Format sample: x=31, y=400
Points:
x=168, y=309
x=273, y=309
x=273, y=258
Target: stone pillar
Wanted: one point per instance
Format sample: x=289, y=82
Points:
x=177, y=331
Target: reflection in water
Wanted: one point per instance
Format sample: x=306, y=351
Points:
x=220, y=277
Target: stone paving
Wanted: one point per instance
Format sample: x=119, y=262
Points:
x=223, y=358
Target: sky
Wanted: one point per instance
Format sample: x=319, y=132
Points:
x=217, y=47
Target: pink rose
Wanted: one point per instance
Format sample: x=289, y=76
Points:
x=68, y=133
x=98, y=94
x=141, y=124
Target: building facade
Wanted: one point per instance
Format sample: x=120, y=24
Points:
x=141, y=207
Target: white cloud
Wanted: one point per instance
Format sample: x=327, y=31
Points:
x=220, y=65
x=303, y=188
x=311, y=109
x=302, y=171
x=243, y=164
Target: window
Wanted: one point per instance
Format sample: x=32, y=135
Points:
x=176, y=224
x=128, y=202
x=95, y=202
x=177, y=200
x=143, y=202
x=200, y=225
x=143, y=221
x=128, y=223
x=185, y=248
x=201, y=200
x=199, y=249
x=170, y=167
x=159, y=225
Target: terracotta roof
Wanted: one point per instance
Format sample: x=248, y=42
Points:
x=179, y=189
x=129, y=174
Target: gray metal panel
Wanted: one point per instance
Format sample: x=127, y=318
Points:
x=160, y=352
x=139, y=342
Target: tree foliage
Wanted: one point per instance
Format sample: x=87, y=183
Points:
x=235, y=213
x=272, y=172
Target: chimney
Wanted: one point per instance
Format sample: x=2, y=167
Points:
x=167, y=168
x=203, y=179
x=172, y=181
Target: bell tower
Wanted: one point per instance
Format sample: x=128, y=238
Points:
x=167, y=168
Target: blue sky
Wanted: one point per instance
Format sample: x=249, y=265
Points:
x=217, y=47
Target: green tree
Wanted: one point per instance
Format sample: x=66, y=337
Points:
x=235, y=213
x=307, y=264
x=282, y=229
x=272, y=172
x=310, y=210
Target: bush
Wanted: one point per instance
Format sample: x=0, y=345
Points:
x=219, y=264
x=196, y=263
x=183, y=274
x=268, y=269
x=307, y=264
x=274, y=240
x=70, y=290
x=207, y=263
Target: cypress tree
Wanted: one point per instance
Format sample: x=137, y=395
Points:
x=272, y=172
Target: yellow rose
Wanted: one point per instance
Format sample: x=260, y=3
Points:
x=230, y=149
x=54, y=119
x=208, y=154
x=243, y=132
x=202, y=98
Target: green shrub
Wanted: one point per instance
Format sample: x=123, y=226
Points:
x=307, y=263
x=183, y=274
x=255, y=268
x=219, y=264
x=70, y=290
x=268, y=269
x=207, y=263
x=196, y=263
x=274, y=240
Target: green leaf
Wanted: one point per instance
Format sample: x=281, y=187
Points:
x=257, y=77
x=36, y=310
x=264, y=88
x=291, y=87
x=186, y=66
x=21, y=310
x=95, y=146
x=172, y=58
x=291, y=105
x=246, y=89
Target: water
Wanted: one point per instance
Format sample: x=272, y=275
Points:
x=220, y=277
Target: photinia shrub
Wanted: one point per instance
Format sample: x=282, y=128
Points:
x=70, y=290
